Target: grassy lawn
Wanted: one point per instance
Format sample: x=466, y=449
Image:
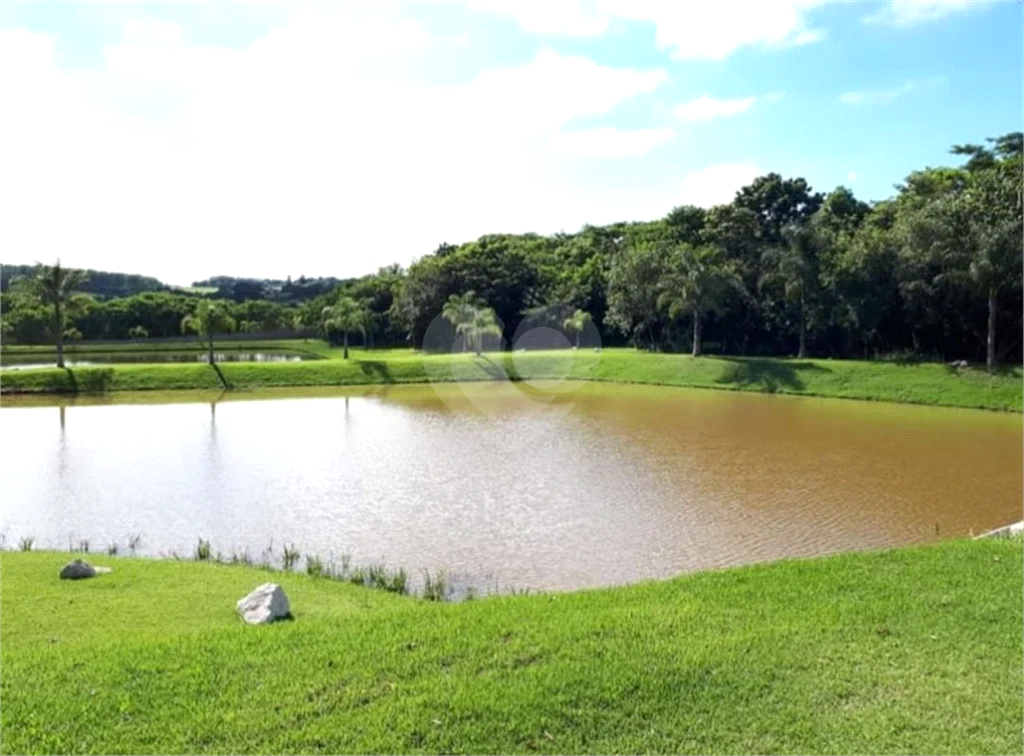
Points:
x=914, y=650
x=924, y=383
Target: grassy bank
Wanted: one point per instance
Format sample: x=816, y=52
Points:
x=925, y=383
x=915, y=650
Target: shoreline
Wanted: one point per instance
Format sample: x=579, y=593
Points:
x=927, y=384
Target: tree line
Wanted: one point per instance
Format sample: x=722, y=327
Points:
x=935, y=272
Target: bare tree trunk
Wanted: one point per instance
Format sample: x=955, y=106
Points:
x=803, y=331
x=345, y=352
x=58, y=324
x=696, y=333
x=990, y=341
x=577, y=339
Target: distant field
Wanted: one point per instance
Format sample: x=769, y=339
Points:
x=916, y=650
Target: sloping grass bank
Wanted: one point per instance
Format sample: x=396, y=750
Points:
x=915, y=650
x=925, y=383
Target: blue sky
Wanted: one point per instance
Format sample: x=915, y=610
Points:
x=185, y=140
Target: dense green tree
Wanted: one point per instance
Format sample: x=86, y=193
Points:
x=696, y=282
x=862, y=273
x=686, y=224
x=792, y=267
x=778, y=203
x=966, y=238
x=994, y=210
x=633, y=291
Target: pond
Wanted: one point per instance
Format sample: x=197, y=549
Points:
x=26, y=361
x=506, y=485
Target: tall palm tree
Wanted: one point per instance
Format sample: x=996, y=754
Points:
x=346, y=315
x=54, y=286
x=483, y=322
x=209, y=318
x=459, y=310
x=577, y=322
x=794, y=265
x=697, y=282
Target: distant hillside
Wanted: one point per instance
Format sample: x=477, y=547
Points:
x=101, y=284
x=288, y=291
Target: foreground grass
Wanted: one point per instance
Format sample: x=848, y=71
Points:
x=915, y=650
x=925, y=383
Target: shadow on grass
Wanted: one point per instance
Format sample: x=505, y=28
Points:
x=770, y=374
x=90, y=380
x=220, y=375
x=379, y=370
x=494, y=370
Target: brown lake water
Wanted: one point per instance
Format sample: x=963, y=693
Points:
x=506, y=486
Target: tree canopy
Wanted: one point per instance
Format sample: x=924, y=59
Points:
x=933, y=272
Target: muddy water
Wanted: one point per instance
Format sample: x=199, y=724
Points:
x=508, y=485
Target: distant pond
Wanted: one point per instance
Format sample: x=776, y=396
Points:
x=112, y=358
x=503, y=484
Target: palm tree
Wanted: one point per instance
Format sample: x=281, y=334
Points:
x=54, y=286
x=698, y=280
x=483, y=322
x=459, y=310
x=795, y=266
x=346, y=315
x=208, y=318
x=577, y=322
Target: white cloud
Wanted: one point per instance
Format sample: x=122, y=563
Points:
x=610, y=142
x=876, y=96
x=716, y=184
x=146, y=31
x=572, y=17
x=687, y=29
x=912, y=12
x=308, y=152
x=851, y=176
x=705, y=108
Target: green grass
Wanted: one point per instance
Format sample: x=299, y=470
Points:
x=915, y=650
x=924, y=383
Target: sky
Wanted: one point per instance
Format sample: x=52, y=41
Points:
x=185, y=140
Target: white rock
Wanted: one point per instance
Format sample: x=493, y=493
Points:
x=1007, y=531
x=77, y=570
x=266, y=604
